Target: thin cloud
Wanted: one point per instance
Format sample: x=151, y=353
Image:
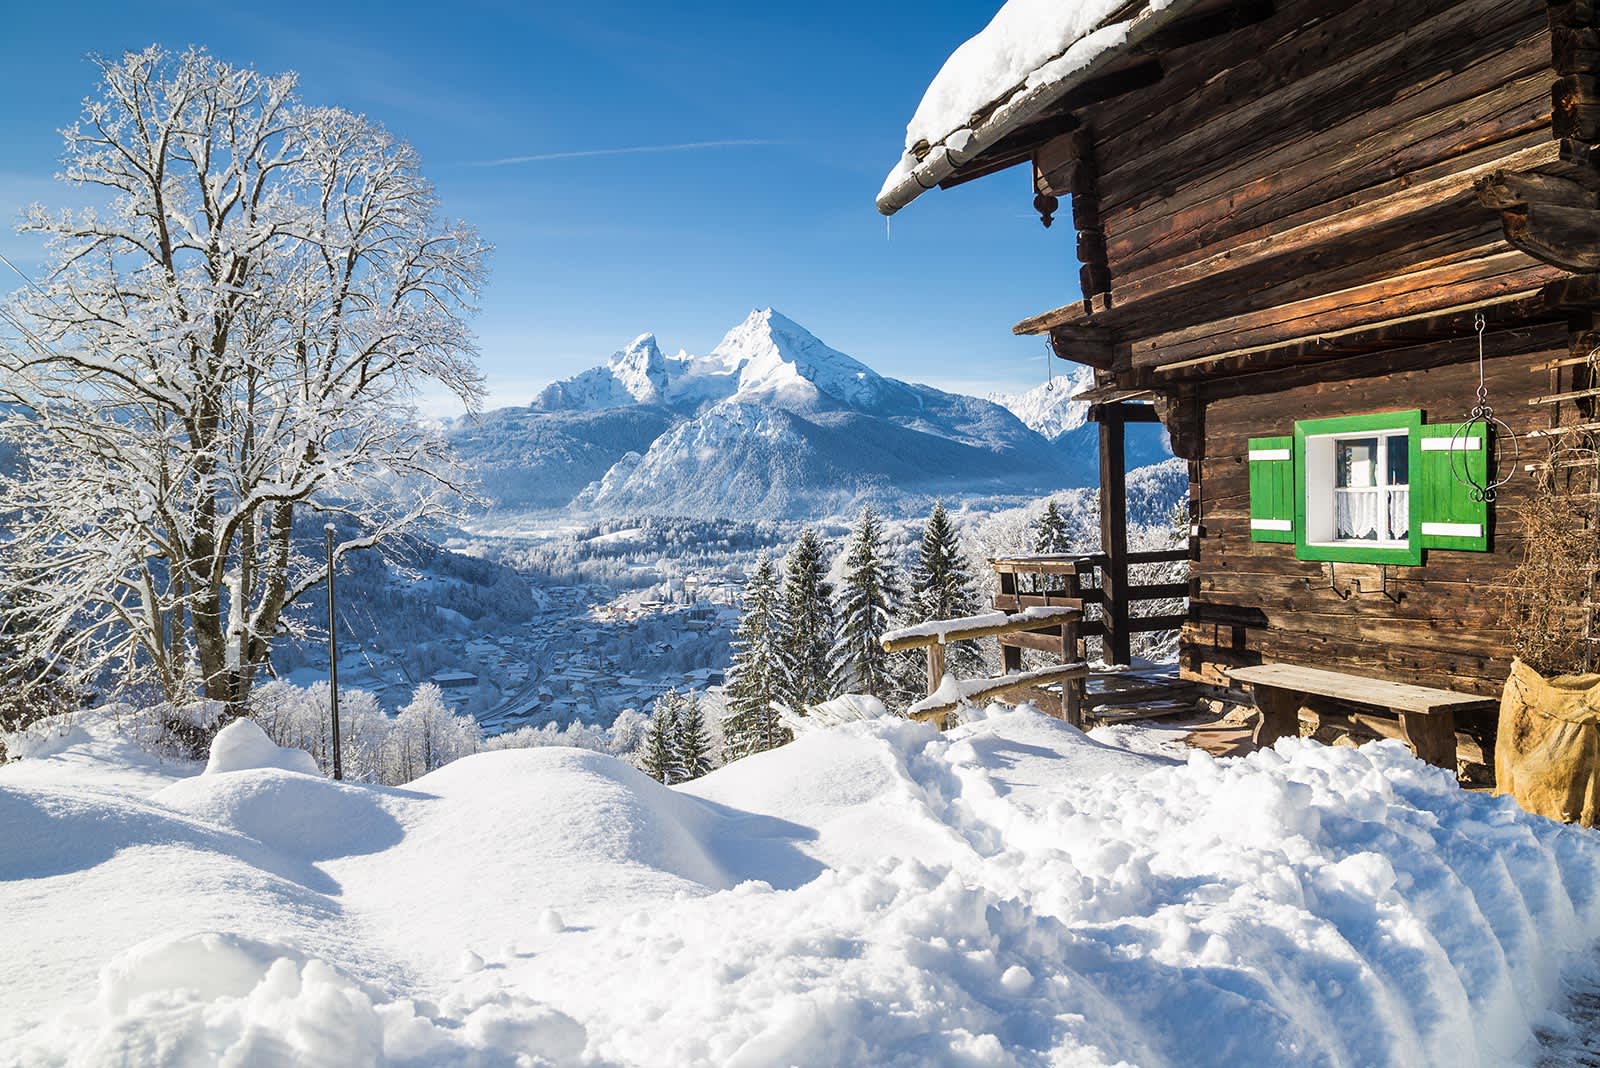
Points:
x=590, y=153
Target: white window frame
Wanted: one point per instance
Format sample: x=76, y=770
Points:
x=1322, y=487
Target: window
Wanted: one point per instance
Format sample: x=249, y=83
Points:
x=1369, y=488
x=1358, y=489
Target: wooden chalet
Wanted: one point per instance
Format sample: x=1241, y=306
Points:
x=1290, y=218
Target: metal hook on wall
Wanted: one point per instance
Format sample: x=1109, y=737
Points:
x=1482, y=425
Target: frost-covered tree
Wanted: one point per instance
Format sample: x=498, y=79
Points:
x=805, y=632
x=30, y=688
x=756, y=676
x=427, y=734
x=691, y=743
x=941, y=587
x=658, y=755
x=230, y=341
x=869, y=593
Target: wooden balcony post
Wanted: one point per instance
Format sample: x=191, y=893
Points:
x=1114, y=530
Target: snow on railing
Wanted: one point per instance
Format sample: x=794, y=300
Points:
x=983, y=625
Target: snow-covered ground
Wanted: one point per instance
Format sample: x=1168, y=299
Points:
x=1009, y=893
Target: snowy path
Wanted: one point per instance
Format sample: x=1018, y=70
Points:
x=1009, y=894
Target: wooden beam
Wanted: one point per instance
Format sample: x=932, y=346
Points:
x=1419, y=293
x=1131, y=413
x=1566, y=237
x=1385, y=203
x=1050, y=618
x=1113, y=393
x=1579, y=293
x=1503, y=191
x=1114, y=533
x=1203, y=27
x=1044, y=564
x=1020, y=145
x=1525, y=306
x=1088, y=345
x=1563, y=431
x=1005, y=685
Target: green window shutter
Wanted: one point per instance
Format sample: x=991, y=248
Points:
x=1442, y=508
x=1272, y=489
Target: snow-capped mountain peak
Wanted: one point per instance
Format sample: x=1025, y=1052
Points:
x=1049, y=409
x=638, y=374
x=641, y=369
x=772, y=354
x=773, y=422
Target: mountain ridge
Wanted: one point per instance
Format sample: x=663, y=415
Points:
x=772, y=423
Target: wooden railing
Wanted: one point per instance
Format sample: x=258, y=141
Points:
x=1081, y=579
x=1059, y=619
x=1042, y=606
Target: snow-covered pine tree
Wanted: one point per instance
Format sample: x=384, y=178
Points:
x=868, y=597
x=1050, y=535
x=942, y=587
x=658, y=756
x=691, y=742
x=756, y=677
x=805, y=642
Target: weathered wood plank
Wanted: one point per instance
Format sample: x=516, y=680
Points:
x=997, y=689
x=1042, y=618
x=1359, y=689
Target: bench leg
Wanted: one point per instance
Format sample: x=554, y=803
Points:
x=1432, y=736
x=1280, y=714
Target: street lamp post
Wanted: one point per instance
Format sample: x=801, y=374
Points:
x=333, y=663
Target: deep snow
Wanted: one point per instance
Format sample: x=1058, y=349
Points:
x=1011, y=892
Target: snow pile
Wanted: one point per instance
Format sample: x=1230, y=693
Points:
x=243, y=746
x=846, y=708
x=1009, y=893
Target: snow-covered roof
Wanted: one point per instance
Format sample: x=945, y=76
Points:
x=1030, y=54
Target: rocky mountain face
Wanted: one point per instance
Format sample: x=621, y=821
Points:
x=772, y=423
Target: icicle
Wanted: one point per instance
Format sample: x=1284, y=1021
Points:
x=888, y=227
x=1049, y=368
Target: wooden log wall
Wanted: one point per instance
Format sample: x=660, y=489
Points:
x=1316, y=171
x=1436, y=625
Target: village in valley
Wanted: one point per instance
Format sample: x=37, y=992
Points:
x=1130, y=603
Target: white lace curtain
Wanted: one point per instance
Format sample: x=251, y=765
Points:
x=1373, y=514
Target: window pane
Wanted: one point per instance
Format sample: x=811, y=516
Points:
x=1399, y=461
x=1356, y=463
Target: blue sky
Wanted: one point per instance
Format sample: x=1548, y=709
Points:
x=798, y=110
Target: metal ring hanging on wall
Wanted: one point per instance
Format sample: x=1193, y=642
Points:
x=1483, y=423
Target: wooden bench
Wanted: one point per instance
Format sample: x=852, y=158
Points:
x=1427, y=716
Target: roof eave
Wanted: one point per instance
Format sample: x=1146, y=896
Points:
x=944, y=161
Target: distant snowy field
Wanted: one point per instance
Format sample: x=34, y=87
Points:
x=878, y=894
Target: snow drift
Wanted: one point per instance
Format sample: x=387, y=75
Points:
x=1010, y=893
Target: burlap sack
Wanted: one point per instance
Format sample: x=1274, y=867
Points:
x=1547, y=754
